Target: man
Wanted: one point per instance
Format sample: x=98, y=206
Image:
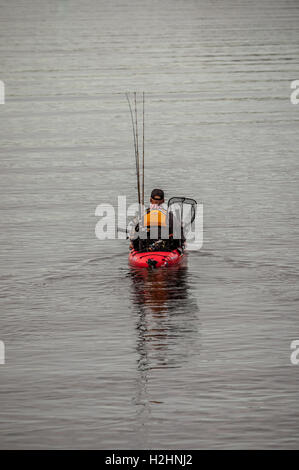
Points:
x=155, y=232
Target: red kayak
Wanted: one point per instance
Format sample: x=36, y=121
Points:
x=155, y=259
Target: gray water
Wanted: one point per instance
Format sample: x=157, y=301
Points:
x=100, y=356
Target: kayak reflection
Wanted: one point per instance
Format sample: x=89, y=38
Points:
x=167, y=320
x=167, y=325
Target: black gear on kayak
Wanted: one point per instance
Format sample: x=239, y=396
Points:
x=152, y=263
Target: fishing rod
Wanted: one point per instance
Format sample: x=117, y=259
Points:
x=137, y=148
x=134, y=120
x=143, y=148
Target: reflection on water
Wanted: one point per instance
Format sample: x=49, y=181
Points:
x=167, y=316
x=166, y=326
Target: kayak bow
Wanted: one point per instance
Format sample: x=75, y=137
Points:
x=155, y=259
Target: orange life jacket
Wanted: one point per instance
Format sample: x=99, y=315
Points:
x=155, y=218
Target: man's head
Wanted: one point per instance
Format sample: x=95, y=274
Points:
x=157, y=196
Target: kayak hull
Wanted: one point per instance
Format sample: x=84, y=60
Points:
x=155, y=259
